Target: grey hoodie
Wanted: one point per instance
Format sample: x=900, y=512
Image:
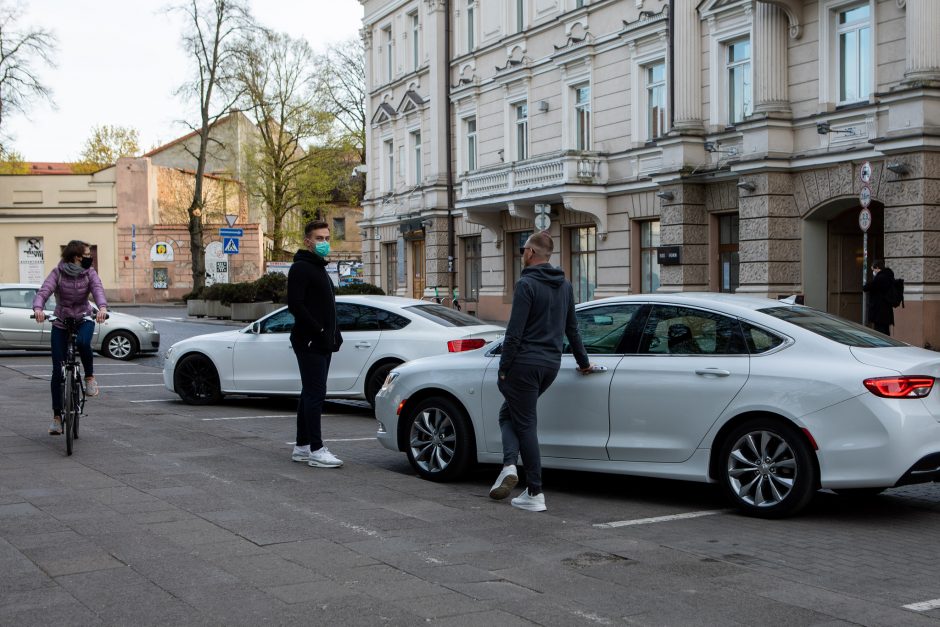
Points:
x=542, y=315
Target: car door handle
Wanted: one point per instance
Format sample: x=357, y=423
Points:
x=716, y=372
x=363, y=345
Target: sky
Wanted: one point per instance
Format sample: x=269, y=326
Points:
x=119, y=62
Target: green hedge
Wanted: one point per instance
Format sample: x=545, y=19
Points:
x=270, y=287
x=360, y=288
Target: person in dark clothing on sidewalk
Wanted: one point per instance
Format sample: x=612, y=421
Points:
x=542, y=316
x=314, y=338
x=880, y=310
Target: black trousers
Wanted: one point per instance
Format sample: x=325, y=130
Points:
x=882, y=328
x=518, y=421
x=314, y=369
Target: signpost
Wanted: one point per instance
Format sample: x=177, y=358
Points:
x=134, y=261
x=864, y=223
x=542, y=220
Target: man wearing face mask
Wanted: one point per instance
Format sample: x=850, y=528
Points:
x=314, y=338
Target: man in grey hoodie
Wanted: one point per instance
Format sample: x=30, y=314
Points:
x=542, y=315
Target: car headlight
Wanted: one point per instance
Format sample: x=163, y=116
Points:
x=389, y=380
x=146, y=324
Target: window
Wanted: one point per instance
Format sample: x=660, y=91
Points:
x=674, y=330
x=602, y=328
x=522, y=130
x=391, y=267
x=339, y=228
x=854, y=29
x=520, y=15
x=758, y=340
x=472, y=268
x=415, y=48
x=389, y=65
x=649, y=262
x=389, y=172
x=583, y=242
x=416, y=150
x=471, y=35
x=740, y=99
x=832, y=327
x=19, y=298
x=517, y=241
x=578, y=4
x=582, y=118
x=728, y=227
x=389, y=321
x=471, y=128
x=656, y=100
x=444, y=316
x=356, y=318
x=279, y=322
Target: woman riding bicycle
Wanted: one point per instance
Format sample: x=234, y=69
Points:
x=72, y=281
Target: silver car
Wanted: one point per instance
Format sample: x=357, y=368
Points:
x=122, y=336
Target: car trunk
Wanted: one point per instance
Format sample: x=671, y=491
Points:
x=906, y=360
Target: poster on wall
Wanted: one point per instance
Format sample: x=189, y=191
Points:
x=32, y=264
x=161, y=278
x=161, y=251
x=216, y=264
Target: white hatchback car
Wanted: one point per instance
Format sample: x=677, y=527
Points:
x=773, y=401
x=379, y=333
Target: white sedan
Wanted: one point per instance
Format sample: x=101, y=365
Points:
x=772, y=401
x=379, y=333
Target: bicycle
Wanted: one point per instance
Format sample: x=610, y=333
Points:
x=73, y=391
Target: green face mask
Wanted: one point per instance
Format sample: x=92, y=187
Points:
x=322, y=248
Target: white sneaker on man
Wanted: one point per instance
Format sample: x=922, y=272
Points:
x=505, y=482
x=530, y=503
x=301, y=454
x=323, y=458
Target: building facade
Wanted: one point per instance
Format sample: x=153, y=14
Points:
x=724, y=145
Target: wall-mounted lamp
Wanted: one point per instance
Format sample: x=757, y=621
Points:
x=824, y=128
x=665, y=195
x=716, y=147
x=747, y=186
x=898, y=168
x=427, y=223
x=543, y=106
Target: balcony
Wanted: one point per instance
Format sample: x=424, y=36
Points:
x=545, y=174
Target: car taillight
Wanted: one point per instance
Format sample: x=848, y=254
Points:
x=459, y=346
x=900, y=387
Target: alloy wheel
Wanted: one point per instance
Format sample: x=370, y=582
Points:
x=433, y=440
x=762, y=469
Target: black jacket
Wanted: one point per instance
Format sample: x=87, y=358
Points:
x=880, y=310
x=542, y=315
x=311, y=298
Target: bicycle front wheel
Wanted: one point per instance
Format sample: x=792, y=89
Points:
x=68, y=413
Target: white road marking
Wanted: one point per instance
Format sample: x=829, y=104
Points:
x=251, y=417
x=659, y=519
x=158, y=400
x=135, y=385
x=111, y=374
x=340, y=440
x=923, y=606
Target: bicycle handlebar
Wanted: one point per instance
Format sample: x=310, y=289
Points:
x=53, y=317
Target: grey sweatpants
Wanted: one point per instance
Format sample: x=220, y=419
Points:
x=518, y=421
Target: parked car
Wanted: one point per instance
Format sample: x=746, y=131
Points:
x=121, y=336
x=772, y=401
x=379, y=333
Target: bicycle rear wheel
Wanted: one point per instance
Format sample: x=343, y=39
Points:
x=68, y=413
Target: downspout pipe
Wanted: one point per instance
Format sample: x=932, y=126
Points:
x=449, y=147
x=671, y=34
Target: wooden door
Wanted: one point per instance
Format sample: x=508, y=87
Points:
x=418, y=268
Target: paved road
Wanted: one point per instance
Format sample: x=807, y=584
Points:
x=168, y=513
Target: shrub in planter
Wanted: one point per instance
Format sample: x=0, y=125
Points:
x=360, y=288
x=236, y=293
x=271, y=287
x=196, y=294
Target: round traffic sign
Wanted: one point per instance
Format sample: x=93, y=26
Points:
x=864, y=196
x=864, y=219
x=865, y=172
x=543, y=221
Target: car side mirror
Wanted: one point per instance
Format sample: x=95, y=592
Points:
x=255, y=328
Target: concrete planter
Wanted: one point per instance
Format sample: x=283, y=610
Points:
x=215, y=309
x=249, y=312
x=196, y=307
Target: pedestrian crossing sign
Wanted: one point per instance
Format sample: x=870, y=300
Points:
x=230, y=245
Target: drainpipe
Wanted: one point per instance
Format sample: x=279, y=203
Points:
x=671, y=34
x=448, y=142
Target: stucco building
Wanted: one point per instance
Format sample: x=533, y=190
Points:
x=729, y=139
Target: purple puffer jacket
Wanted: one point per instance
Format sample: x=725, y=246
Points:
x=71, y=293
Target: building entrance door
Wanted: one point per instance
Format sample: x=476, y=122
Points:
x=845, y=260
x=418, y=268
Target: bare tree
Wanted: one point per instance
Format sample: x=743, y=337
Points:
x=276, y=72
x=212, y=37
x=20, y=52
x=342, y=93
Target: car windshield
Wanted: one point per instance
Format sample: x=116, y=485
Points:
x=444, y=316
x=832, y=327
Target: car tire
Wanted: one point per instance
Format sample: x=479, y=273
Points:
x=766, y=469
x=121, y=345
x=376, y=379
x=196, y=381
x=440, y=443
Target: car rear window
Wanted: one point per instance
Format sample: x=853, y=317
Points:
x=832, y=327
x=444, y=316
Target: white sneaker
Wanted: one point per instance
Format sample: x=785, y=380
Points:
x=301, y=454
x=505, y=482
x=530, y=503
x=323, y=458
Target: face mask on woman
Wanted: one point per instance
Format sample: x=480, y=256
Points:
x=86, y=262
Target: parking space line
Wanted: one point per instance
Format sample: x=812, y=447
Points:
x=250, y=417
x=340, y=440
x=158, y=400
x=133, y=385
x=923, y=606
x=659, y=519
x=111, y=374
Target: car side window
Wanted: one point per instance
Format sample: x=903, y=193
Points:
x=281, y=322
x=758, y=340
x=389, y=321
x=672, y=330
x=602, y=328
x=17, y=298
x=351, y=317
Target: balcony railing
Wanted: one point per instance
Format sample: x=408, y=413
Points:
x=567, y=168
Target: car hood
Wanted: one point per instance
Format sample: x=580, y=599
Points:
x=221, y=336
x=903, y=359
x=446, y=361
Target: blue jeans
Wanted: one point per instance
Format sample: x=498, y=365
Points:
x=59, y=343
x=314, y=369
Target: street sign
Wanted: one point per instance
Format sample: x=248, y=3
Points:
x=864, y=220
x=230, y=219
x=231, y=233
x=864, y=196
x=541, y=208
x=230, y=245
x=865, y=172
x=542, y=221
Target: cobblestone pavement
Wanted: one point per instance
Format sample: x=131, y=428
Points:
x=171, y=514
